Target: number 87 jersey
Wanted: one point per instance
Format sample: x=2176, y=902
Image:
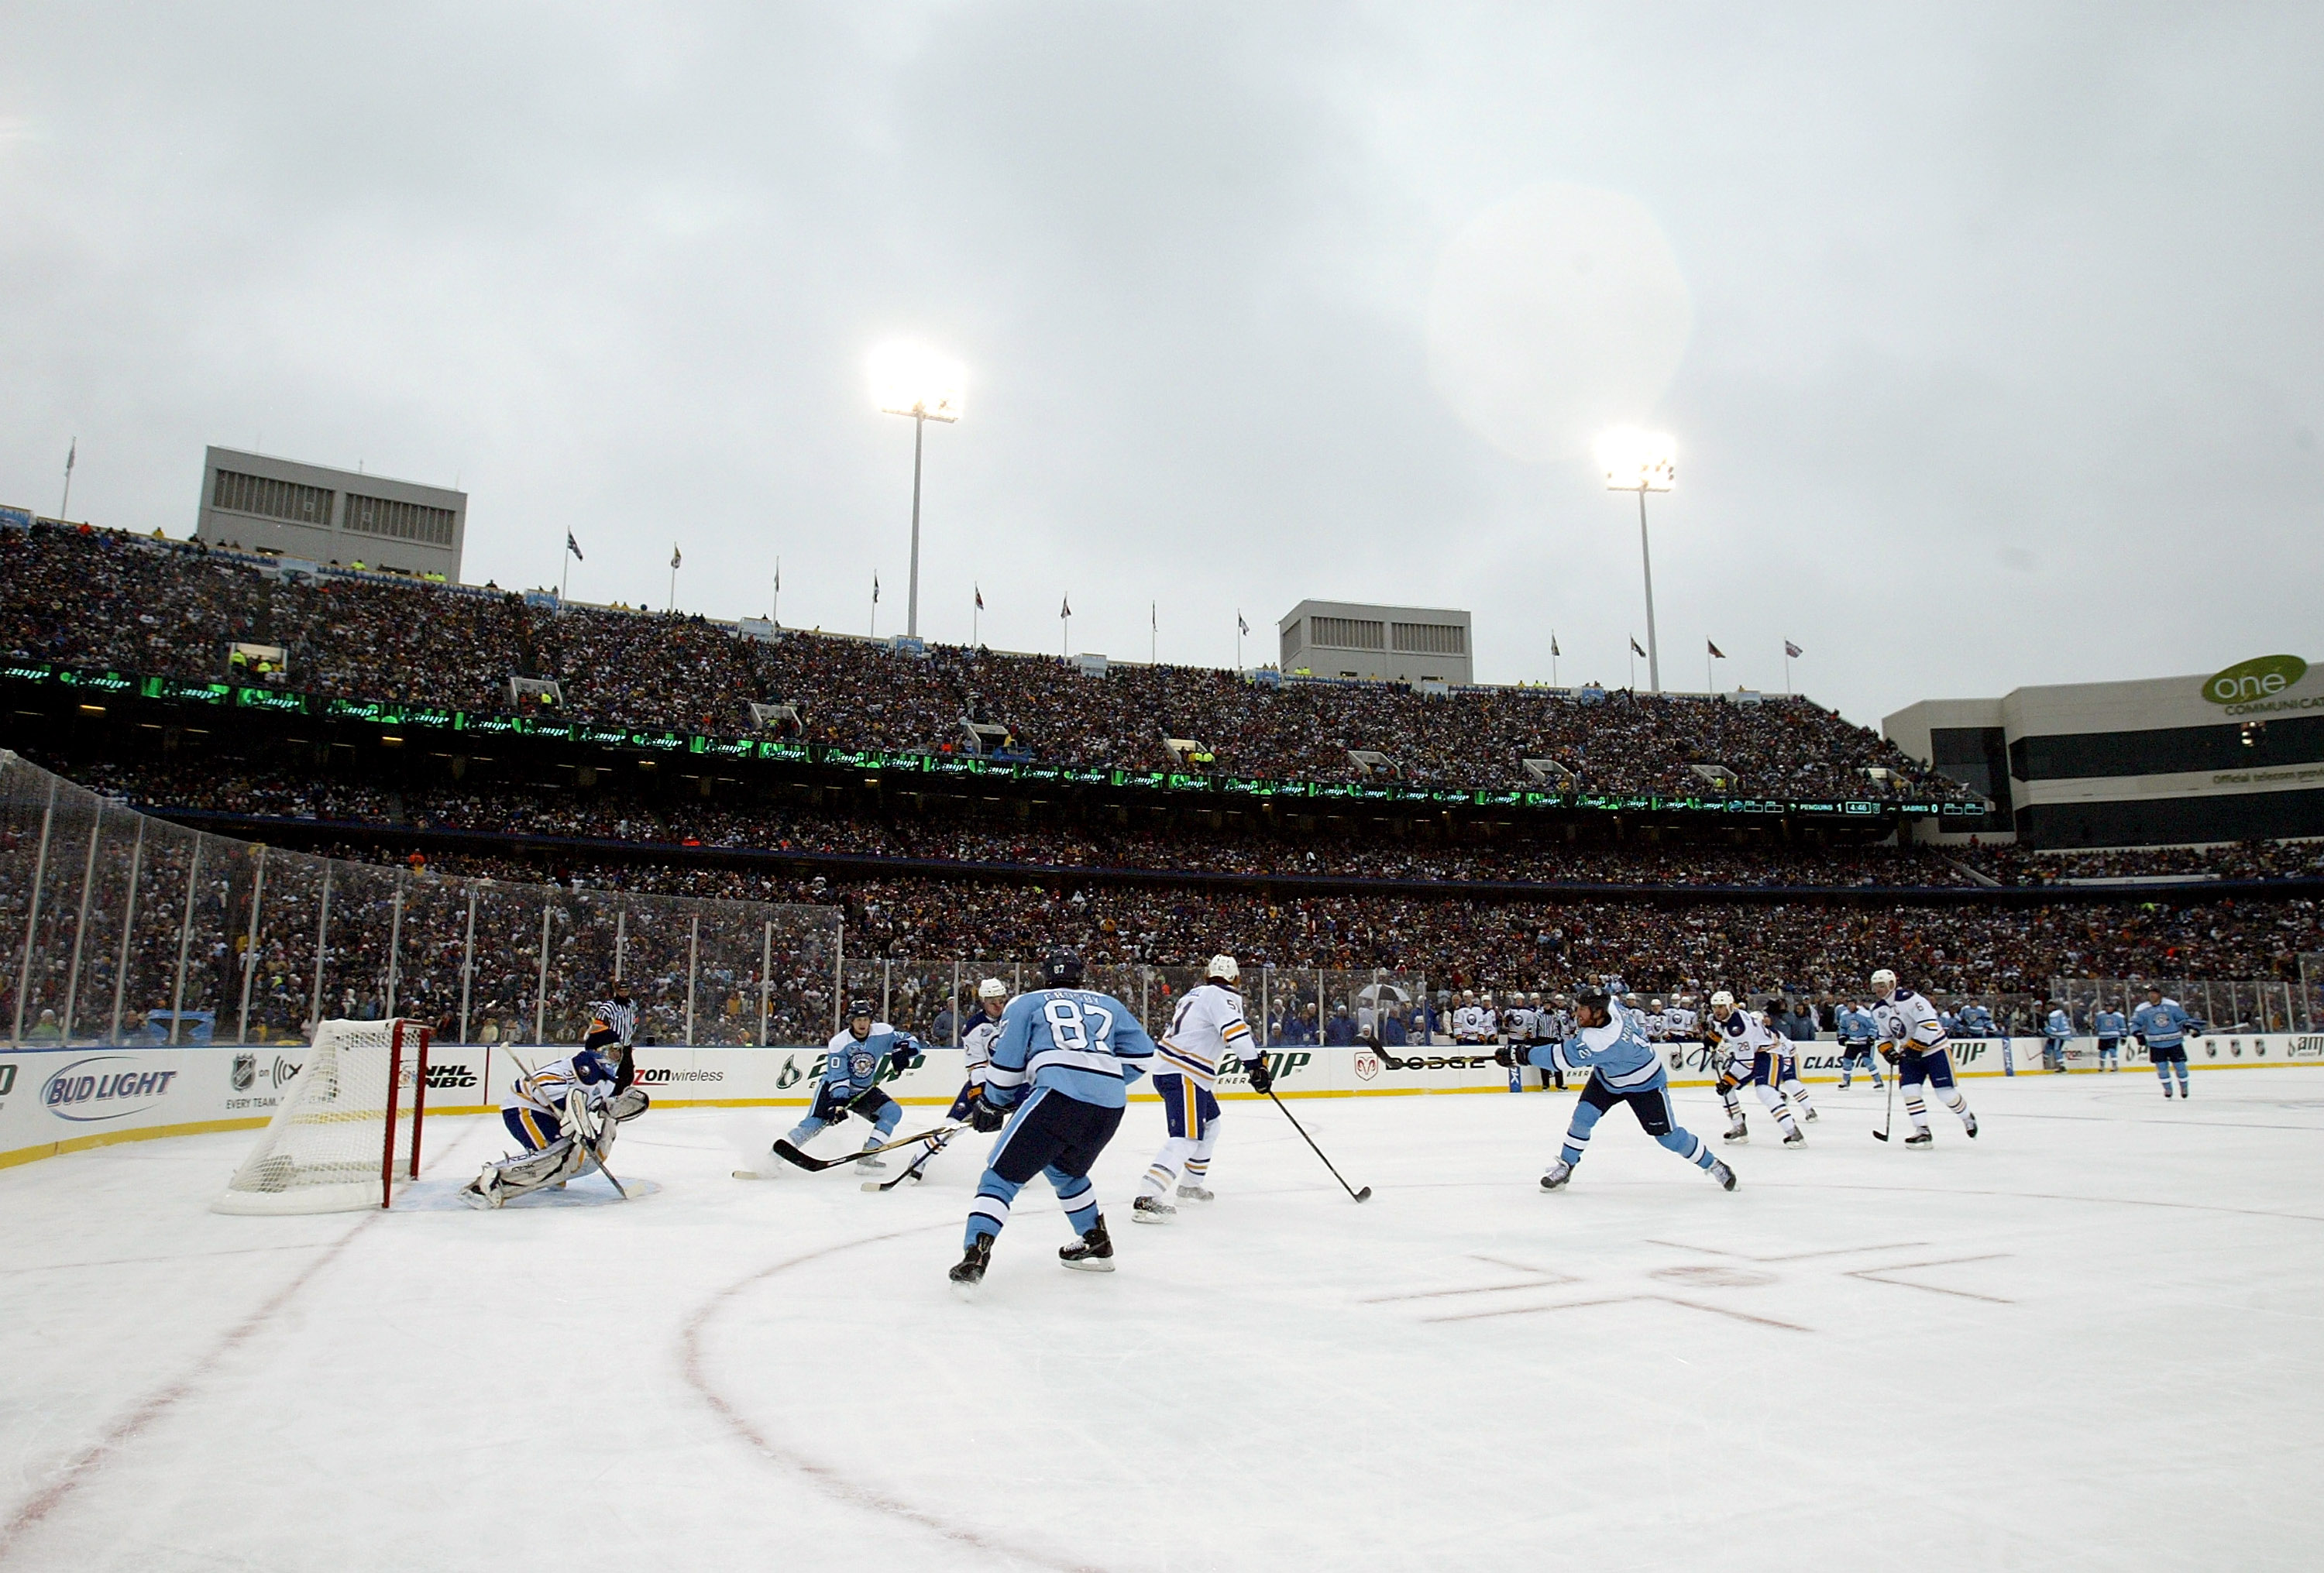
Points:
x=1085, y=1045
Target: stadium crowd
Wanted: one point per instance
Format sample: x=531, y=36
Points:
x=247, y=787
x=1528, y=944
x=2257, y=860
x=93, y=598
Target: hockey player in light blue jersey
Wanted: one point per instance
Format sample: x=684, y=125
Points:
x=1623, y=1067
x=2057, y=1031
x=1857, y=1030
x=2109, y=1026
x=850, y=1078
x=1059, y=1076
x=2161, y=1024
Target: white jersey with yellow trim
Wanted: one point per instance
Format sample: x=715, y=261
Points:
x=547, y=1089
x=1206, y=1031
x=1909, y=1020
x=976, y=1043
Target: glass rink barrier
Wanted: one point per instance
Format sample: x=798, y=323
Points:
x=129, y=931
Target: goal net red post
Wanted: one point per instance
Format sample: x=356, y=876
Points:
x=347, y=1130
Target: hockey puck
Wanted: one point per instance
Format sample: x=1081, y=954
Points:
x=748, y=1174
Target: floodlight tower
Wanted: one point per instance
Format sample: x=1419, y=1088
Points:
x=1641, y=461
x=910, y=378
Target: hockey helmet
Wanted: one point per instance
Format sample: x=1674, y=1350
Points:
x=1589, y=997
x=992, y=989
x=860, y=1009
x=1722, y=1001
x=1061, y=970
x=1224, y=967
x=1884, y=981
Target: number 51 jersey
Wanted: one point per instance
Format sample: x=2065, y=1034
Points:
x=1085, y=1045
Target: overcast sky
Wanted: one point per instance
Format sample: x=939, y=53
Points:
x=1990, y=335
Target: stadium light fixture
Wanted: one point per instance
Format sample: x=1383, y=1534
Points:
x=1641, y=461
x=910, y=378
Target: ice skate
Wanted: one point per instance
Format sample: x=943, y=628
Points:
x=1795, y=1138
x=1152, y=1209
x=1919, y=1139
x=1737, y=1132
x=1196, y=1193
x=969, y=1271
x=2166, y=1089
x=1968, y=1124
x=1722, y=1173
x=1813, y=1116
x=870, y=1161
x=1556, y=1175
x=1092, y=1253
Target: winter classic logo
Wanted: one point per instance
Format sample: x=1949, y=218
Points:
x=105, y=1086
x=2261, y=678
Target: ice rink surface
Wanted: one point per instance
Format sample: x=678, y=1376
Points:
x=2087, y=1339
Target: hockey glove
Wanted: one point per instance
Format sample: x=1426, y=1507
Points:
x=1512, y=1056
x=986, y=1116
x=901, y=1059
x=1262, y=1080
x=1894, y=1056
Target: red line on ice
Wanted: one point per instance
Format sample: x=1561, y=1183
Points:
x=130, y=1426
x=829, y=1480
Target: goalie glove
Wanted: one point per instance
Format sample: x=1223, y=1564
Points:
x=628, y=1103
x=1262, y=1080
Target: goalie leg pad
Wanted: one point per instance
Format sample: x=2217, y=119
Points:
x=554, y=1165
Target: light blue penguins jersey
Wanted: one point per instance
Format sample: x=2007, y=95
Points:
x=2058, y=1025
x=850, y=1067
x=2109, y=1024
x=1617, y=1053
x=1977, y=1022
x=1085, y=1045
x=1856, y=1026
x=2161, y=1025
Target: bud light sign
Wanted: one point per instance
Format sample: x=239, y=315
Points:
x=105, y=1086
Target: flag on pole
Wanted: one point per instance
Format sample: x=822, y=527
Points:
x=779, y=575
x=1634, y=646
x=1240, y=626
x=1066, y=608
x=1553, y=646
x=980, y=597
x=875, y=586
x=1792, y=650
x=1717, y=654
x=674, y=558
x=573, y=547
x=71, y=454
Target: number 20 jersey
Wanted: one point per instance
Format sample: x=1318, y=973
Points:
x=1084, y=1044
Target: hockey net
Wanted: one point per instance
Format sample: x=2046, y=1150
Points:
x=348, y=1128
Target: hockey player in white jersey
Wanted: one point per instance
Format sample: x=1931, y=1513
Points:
x=1912, y=1039
x=1207, y=1035
x=976, y=1049
x=564, y=1113
x=1753, y=1055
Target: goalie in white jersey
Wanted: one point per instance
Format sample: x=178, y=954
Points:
x=1205, y=1030
x=1912, y=1039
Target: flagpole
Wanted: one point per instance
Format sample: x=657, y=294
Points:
x=1634, y=666
x=70, y=454
x=565, y=569
x=1787, y=669
x=674, y=555
x=775, y=616
x=1553, y=658
x=1153, y=631
x=975, y=616
x=1238, y=639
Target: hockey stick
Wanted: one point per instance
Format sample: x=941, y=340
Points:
x=913, y=1171
x=1888, y=1120
x=784, y=1150
x=610, y=1178
x=1363, y=1195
